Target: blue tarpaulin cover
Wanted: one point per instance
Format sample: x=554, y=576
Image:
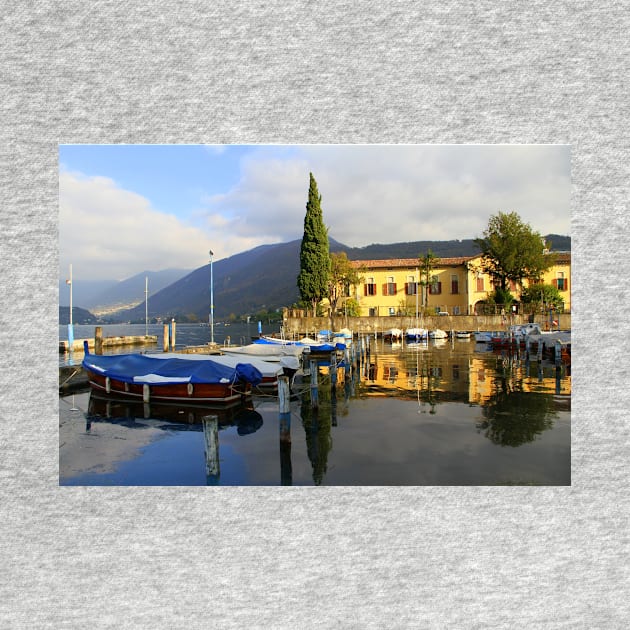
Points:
x=139, y=368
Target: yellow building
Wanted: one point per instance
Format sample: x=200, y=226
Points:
x=457, y=285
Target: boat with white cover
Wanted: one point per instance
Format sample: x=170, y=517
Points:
x=438, y=333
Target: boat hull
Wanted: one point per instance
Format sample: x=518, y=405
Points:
x=174, y=392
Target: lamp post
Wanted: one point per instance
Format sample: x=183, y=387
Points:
x=211, y=300
x=146, y=306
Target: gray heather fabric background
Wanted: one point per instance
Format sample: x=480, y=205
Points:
x=326, y=72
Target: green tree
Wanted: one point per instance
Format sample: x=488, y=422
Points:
x=512, y=251
x=312, y=281
x=427, y=263
x=343, y=275
x=539, y=294
x=352, y=307
x=501, y=296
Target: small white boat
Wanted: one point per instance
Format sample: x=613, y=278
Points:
x=416, y=333
x=344, y=337
x=462, y=334
x=438, y=333
x=524, y=330
x=265, y=351
x=393, y=334
x=485, y=336
x=324, y=336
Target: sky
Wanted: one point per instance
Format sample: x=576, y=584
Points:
x=126, y=209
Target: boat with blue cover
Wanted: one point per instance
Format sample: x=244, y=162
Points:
x=169, y=378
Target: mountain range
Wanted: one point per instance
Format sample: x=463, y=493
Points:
x=260, y=279
x=109, y=295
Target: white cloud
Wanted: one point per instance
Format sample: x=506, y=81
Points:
x=268, y=203
x=215, y=149
x=397, y=193
x=110, y=233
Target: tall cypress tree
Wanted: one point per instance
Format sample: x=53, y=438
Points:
x=312, y=280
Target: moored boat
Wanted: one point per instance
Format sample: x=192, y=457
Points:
x=438, y=333
x=484, y=336
x=516, y=335
x=416, y=334
x=266, y=350
x=269, y=370
x=294, y=347
x=393, y=334
x=343, y=336
x=189, y=378
x=462, y=334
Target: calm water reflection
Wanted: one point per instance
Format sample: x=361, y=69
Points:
x=447, y=414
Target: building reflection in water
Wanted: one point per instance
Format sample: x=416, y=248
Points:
x=458, y=371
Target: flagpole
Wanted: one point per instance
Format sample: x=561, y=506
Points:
x=211, y=300
x=70, y=326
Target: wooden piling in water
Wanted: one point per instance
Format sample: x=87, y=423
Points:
x=98, y=340
x=173, y=334
x=283, y=394
x=286, y=471
x=284, y=406
x=314, y=384
x=346, y=364
x=165, y=340
x=211, y=437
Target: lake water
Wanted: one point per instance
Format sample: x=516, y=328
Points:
x=450, y=413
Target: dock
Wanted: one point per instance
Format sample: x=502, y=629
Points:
x=109, y=342
x=208, y=348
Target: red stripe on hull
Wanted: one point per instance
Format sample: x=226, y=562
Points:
x=201, y=392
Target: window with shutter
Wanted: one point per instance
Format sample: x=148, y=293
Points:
x=454, y=285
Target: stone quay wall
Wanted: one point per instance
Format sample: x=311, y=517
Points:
x=300, y=326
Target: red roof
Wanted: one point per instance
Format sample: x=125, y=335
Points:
x=409, y=262
x=561, y=257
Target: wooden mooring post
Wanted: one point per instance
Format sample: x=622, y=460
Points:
x=173, y=334
x=98, y=340
x=165, y=339
x=211, y=437
x=284, y=406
